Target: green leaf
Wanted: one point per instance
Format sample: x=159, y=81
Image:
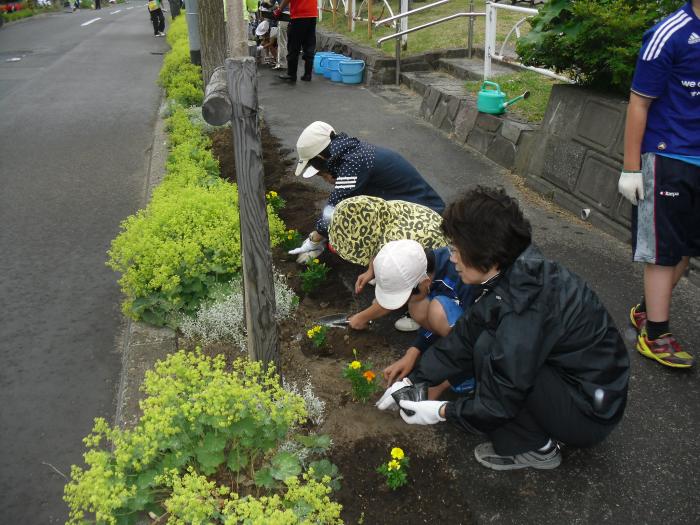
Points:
x=210, y=453
x=145, y=479
x=285, y=465
x=210, y=461
x=244, y=427
x=263, y=478
x=237, y=460
x=318, y=442
x=213, y=442
x=323, y=468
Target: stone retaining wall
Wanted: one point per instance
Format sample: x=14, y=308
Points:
x=502, y=138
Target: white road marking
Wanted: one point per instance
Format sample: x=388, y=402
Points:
x=90, y=22
x=115, y=12
x=13, y=59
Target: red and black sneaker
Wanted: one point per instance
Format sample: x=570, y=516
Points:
x=665, y=349
x=638, y=319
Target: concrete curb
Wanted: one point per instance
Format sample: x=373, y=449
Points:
x=142, y=344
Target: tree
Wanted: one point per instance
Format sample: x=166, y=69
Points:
x=212, y=35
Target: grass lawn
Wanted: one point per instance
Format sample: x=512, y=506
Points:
x=445, y=35
x=539, y=86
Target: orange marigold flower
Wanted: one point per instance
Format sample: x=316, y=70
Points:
x=369, y=376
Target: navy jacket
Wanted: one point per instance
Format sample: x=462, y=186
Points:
x=536, y=313
x=365, y=169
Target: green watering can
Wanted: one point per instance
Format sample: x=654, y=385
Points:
x=493, y=100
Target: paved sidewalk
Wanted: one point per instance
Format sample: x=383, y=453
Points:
x=646, y=471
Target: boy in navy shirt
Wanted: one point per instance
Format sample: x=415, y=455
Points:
x=661, y=173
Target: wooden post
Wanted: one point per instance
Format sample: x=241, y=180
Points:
x=369, y=18
x=255, y=231
x=334, y=4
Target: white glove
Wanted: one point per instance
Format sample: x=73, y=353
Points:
x=307, y=246
x=631, y=185
x=426, y=412
x=386, y=401
x=305, y=257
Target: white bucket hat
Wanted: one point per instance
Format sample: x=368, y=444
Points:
x=263, y=27
x=312, y=141
x=398, y=268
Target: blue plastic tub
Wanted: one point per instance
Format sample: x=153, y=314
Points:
x=334, y=67
x=323, y=64
x=317, y=60
x=351, y=71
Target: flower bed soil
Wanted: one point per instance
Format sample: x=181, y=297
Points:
x=362, y=435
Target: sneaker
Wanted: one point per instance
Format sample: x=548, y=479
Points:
x=665, y=349
x=638, y=319
x=306, y=78
x=406, y=324
x=486, y=455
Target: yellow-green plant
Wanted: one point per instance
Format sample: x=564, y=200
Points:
x=314, y=275
x=181, y=79
x=396, y=469
x=363, y=380
x=200, y=419
x=291, y=239
x=317, y=334
x=273, y=199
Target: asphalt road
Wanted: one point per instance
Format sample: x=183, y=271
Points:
x=76, y=125
x=646, y=471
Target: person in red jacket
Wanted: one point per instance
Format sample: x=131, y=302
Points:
x=301, y=36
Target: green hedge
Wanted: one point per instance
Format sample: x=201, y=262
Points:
x=172, y=253
x=181, y=79
x=596, y=42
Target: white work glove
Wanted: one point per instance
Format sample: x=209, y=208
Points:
x=426, y=412
x=386, y=401
x=308, y=246
x=305, y=257
x=631, y=185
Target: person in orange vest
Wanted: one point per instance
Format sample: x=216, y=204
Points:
x=301, y=37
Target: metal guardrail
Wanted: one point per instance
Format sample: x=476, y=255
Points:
x=471, y=15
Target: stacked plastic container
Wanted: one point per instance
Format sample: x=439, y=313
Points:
x=338, y=68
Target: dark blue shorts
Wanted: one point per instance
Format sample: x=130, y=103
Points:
x=666, y=224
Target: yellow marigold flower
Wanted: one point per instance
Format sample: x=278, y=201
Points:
x=369, y=376
x=355, y=365
x=397, y=453
x=310, y=333
x=394, y=465
x=289, y=236
x=315, y=261
x=273, y=193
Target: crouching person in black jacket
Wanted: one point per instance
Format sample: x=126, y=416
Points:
x=550, y=365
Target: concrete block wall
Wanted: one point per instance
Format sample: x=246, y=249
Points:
x=501, y=138
x=577, y=155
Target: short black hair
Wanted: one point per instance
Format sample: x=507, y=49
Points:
x=488, y=228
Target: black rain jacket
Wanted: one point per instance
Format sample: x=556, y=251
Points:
x=537, y=312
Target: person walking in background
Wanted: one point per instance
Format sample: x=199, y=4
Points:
x=98, y=5
x=661, y=174
x=282, y=41
x=301, y=37
x=156, y=11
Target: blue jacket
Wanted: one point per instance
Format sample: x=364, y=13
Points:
x=364, y=169
x=447, y=282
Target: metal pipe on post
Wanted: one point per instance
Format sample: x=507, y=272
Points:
x=192, y=15
x=320, y=10
x=397, y=50
x=258, y=283
x=470, y=37
x=488, y=49
x=403, y=8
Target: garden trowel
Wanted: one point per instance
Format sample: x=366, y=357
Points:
x=334, y=321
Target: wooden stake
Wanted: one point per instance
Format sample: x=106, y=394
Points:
x=258, y=283
x=369, y=18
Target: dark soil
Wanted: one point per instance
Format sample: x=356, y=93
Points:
x=362, y=435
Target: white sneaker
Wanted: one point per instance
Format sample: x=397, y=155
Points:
x=406, y=324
